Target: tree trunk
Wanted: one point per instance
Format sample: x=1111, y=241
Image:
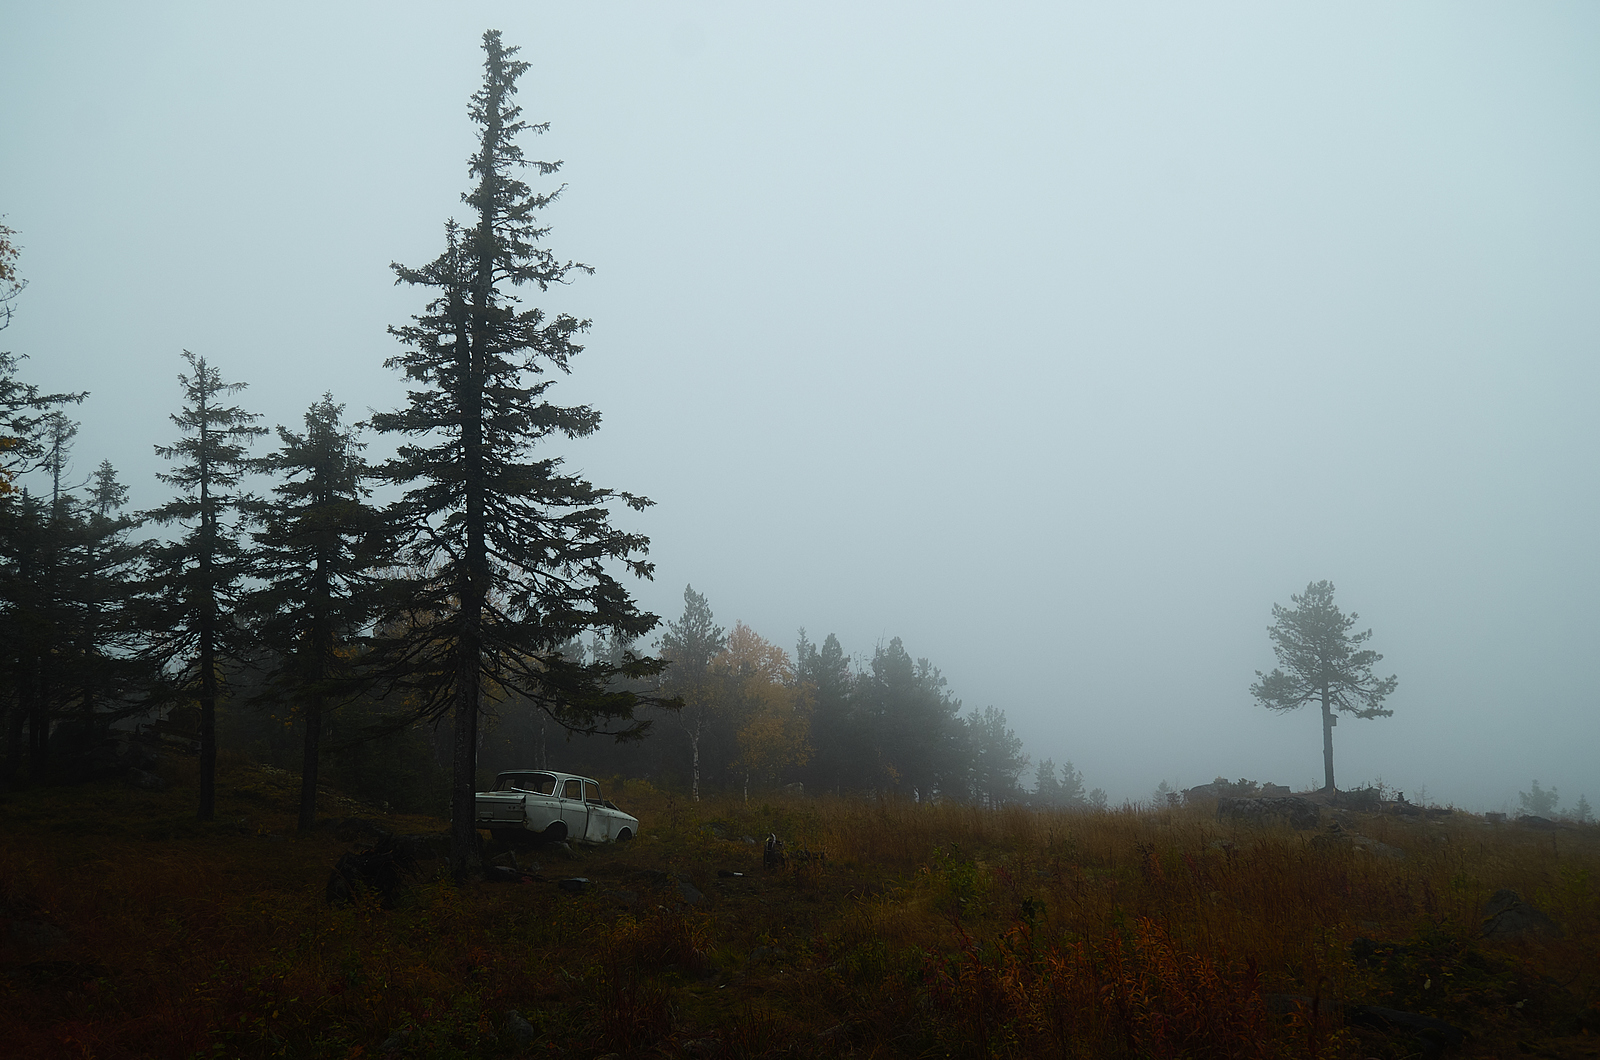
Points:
x=308, y=766
x=1327, y=742
x=208, y=631
x=15, y=718
x=464, y=857
x=694, y=773
x=208, y=721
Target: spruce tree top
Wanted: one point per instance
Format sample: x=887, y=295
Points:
x=519, y=556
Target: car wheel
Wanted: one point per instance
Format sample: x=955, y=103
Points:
x=624, y=835
x=555, y=833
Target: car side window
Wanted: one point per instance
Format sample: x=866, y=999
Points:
x=591, y=792
x=573, y=789
x=543, y=784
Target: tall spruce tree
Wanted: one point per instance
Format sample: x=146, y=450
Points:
x=199, y=575
x=513, y=557
x=319, y=546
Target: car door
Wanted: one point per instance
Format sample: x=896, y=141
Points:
x=574, y=811
x=598, y=818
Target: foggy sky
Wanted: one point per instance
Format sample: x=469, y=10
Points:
x=1060, y=342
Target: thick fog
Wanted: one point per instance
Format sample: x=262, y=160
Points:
x=1060, y=342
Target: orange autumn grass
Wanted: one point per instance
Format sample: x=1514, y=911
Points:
x=925, y=931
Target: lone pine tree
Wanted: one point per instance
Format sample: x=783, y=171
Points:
x=511, y=556
x=199, y=574
x=1321, y=661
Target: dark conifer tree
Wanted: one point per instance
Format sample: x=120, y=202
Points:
x=32, y=624
x=912, y=725
x=995, y=753
x=837, y=763
x=115, y=668
x=198, y=575
x=317, y=552
x=513, y=556
x=689, y=645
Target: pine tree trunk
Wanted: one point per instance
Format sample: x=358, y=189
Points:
x=38, y=725
x=208, y=719
x=208, y=644
x=1327, y=742
x=464, y=857
x=15, y=718
x=308, y=767
x=694, y=773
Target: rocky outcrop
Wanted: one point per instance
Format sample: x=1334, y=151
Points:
x=1291, y=810
x=1339, y=838
x=1507, y=916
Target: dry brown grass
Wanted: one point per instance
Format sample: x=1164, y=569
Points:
x=926, y=931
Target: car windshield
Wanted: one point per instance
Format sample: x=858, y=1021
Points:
x=539, y=783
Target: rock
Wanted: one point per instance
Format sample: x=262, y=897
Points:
x=1544, y=824
x=147, y=781
x=379, y=868
x=575, y=885
x=1495, y=818
x=61, y=973
x=520, y=1030
x=1336, y=838
x=1509, y=917
x=1433, y=1035
x=1295, y=811
x=36, y=935
x=1291, y=1004
x=688, y=891
x=395, y=1042
x=1274, y=791
x=424, y=846
x=1373, y=951
x=361, y=830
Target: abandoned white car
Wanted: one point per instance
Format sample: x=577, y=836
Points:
x=550, y=807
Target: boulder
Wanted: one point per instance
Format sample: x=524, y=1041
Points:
x=1293, y=810
x=689, y=892
x=1507, y=916
x=361, y=830
x=379, y=869
x=147, y=781
x=1433, y=1035
x=1337, y=838
x=519, y=1030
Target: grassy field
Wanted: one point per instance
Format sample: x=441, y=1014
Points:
x=925, y=931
